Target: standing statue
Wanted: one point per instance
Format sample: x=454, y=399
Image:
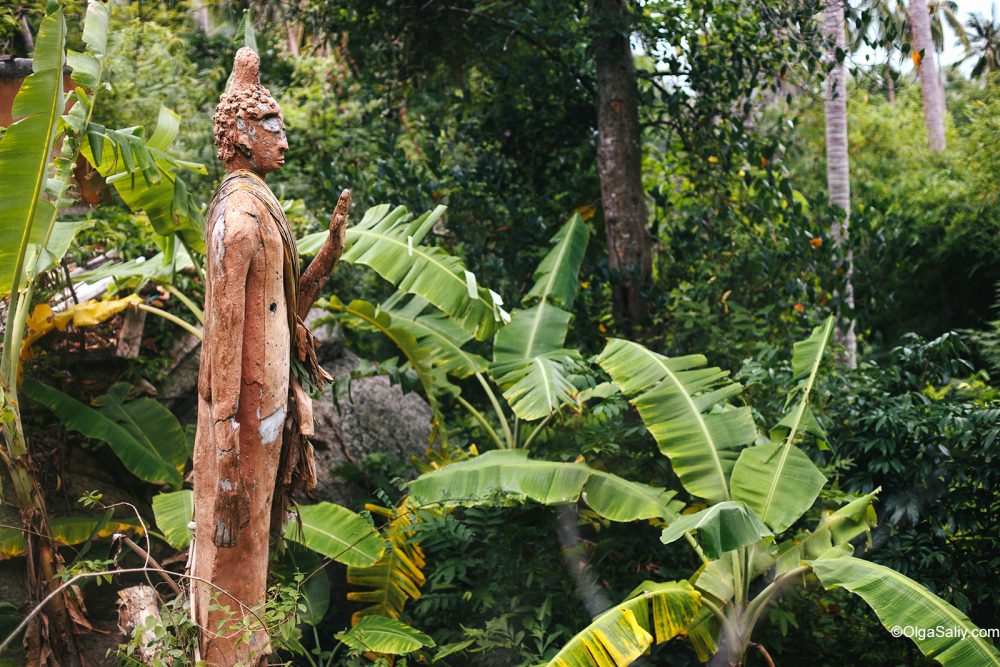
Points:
x=257, y=355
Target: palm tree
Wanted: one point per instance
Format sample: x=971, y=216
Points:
x=984, y=43
x=895, y=32
x=930, y=88
x=837, y=171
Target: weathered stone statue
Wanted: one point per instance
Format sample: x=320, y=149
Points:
x=252, y=409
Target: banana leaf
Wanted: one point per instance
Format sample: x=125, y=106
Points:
x=387, y=636
x=905, y=607
x=556, y=276
x=722, y=527
x=684, y=407
x=26, y=151
x=336, y=532
x=142, y=433
x=173, y=512
x=654, y=612
x=500, y=476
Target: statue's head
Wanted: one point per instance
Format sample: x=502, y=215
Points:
x=249, y=127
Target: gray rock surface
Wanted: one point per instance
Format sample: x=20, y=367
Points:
x=374, y=417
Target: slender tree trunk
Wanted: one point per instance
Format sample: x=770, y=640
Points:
x=890, y=84
x=837, y=174
x=930, y=87
x=49, y=639
x=199, y=11
x=619, y=160
x=588, y=588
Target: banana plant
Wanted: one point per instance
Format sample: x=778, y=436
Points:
x=531, y=369
x=36, y=186
x=757, y=491
x=37, y=155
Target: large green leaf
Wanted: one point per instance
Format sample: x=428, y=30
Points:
x=939, y=630
x=684, y=407
x=529, y=361
x=145, y=175
x=438, y=333
x=498, y=475
x=659, y=611
x=336, y=532
x=173, y=512
x=359, y=313
x=837, y=529
x=378, y=634
x=142, y=433
x=556, y=276
x=532, y=332
x=779, y=482
x=537, y=387
x=26, y=150
x=722, y=527
x=389, y=242
x=531, y=365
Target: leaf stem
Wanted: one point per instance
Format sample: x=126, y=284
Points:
x=499, y=411
x=170, y=317
x=482, y=420
x=186, y=300
x=537, y=430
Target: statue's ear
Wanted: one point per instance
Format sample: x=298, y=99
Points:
x=244, y=142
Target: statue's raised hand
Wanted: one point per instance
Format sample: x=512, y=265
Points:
x=314, y=277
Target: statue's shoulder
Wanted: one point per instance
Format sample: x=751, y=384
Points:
x=241, y=207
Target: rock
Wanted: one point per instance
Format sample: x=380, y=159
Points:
x=375, y=417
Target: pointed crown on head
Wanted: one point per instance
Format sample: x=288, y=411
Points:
x=245, y=100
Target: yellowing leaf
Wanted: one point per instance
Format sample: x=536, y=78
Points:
x=586, y=212
x=68, y=530
x=90, y=313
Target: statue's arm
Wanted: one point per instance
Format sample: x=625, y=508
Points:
x=314, y=277
x=231, y=249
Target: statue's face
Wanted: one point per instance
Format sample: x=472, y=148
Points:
x=265, y=140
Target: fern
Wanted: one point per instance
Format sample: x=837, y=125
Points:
x=398, y=576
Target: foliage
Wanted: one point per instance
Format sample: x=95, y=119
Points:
x=923, y=426
x=488, y=108
x=141, y=432
x=397, y=576
x=337, y=533
x=733, y=542
x=925, y=241
x=379, y=634
x=624, y=632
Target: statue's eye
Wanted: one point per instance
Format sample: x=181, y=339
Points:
x=272, y=124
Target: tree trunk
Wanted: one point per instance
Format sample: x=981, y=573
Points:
x=837, y=175
x=588, y=588
x=930, y=88
x=202, y=21
x=619, y=160
x=889, y=82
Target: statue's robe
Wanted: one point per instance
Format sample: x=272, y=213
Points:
x=244, y=381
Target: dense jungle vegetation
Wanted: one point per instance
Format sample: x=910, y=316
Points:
x=666, y=332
